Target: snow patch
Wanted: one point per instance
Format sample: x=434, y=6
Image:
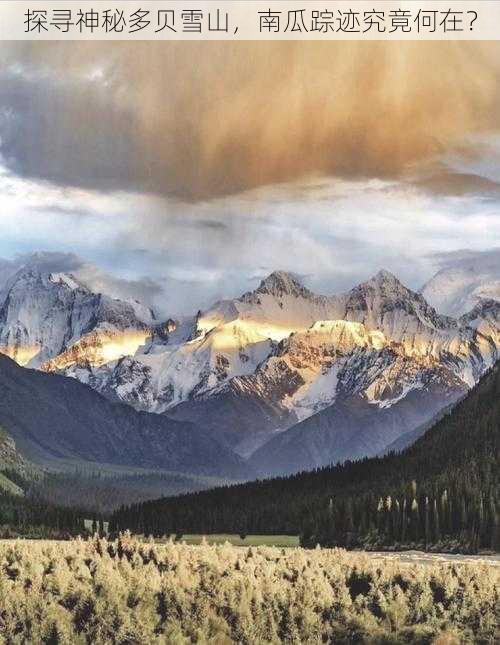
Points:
x=65, y=279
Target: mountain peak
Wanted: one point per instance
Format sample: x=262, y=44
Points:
x=386, y=283
x=280, y=283
x=40, y=278
x=385, y=293
x=385, y=277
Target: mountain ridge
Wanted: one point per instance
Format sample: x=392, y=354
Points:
x=411, y=347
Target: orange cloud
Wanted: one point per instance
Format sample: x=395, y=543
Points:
x=200, y=120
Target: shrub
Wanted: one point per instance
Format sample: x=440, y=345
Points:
x=130, y=591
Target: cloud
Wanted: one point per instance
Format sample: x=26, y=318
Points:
x=470, y=168
x=59, y=209
x=179, y=257
x=202, y=120
x=61, y=128
x=487, y=261
x=464, y=278
x=448, y=183
x=187, y=171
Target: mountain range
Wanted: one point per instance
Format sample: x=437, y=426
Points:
x=276, y=381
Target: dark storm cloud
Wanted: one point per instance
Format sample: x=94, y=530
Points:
x=201, y=120
x=65, y=130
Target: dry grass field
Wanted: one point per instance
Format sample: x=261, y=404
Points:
x=135, y=592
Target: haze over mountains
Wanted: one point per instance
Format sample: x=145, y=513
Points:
x=281, y=377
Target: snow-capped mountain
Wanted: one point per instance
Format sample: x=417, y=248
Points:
x=229, y=340
x=167, y=371
x=484, y=318
x=278, y=355
x=392, y=348
x=378, y=356
x=405, y=318
x=53, y=321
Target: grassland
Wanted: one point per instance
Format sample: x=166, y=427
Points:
x=248, y=540
x=135, y=592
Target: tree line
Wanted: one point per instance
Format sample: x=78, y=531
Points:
x=21, y=517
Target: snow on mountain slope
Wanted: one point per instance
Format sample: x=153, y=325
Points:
x=164, y=373
x=351, y=429
x=405, y=317
x=457, y=288
x=390, y=346
x=386, y=338
x=229, y=340
x=379, y=339
x=384, y=303
x=307, y=365
x=332, y=360
x=51, y=320
x=248, y=411
x=485, y=320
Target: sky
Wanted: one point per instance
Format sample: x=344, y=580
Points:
x=181, y=173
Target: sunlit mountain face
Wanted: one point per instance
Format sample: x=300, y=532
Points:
x=99, y=348
x=23, y=355
x=51, y=320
